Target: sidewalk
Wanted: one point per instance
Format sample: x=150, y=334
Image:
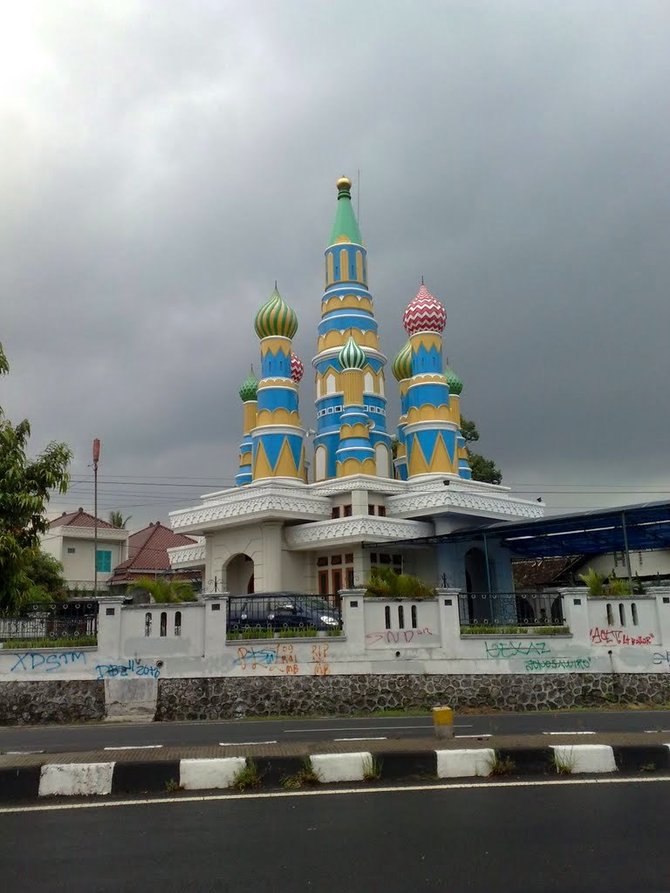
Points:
x=123, y=771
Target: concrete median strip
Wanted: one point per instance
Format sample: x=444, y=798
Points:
x=161, y=776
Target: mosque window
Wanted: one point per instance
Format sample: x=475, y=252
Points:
x=336, y=559
x=347, y=511
x=335, y=512
x=381, y=511
x=322, y=561
x=371, y=509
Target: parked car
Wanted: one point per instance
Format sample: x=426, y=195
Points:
x=281, y=610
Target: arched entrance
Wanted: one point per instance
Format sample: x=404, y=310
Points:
x=240, y=574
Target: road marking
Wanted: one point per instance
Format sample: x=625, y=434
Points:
x=243, y=743
x=135, y=747
x=21, y=753
x=379, y=738
x=568, y=733
x=647, y=732
x=482, y=785
x=368, y=729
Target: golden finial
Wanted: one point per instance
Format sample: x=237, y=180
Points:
x=344, y=183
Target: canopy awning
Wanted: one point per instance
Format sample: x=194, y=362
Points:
x=634, y=528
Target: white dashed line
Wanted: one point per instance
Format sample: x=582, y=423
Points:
x=380, y=738
x=568, y=733
x=21, y=753
x=243, y=743
x=136, y=747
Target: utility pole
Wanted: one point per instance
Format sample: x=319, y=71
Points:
x=96, y=459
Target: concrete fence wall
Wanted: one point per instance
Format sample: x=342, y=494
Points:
x=606, y=635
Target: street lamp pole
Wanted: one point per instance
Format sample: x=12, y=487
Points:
x=96, y=459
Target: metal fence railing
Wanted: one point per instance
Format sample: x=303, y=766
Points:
x=284, y=612
x=510, y=609
x=52, y=621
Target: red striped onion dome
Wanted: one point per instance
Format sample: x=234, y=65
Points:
x=424, y=313
x=297, y=368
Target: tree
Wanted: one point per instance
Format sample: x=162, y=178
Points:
x=116, y=519
x=386, y=583
x=164, y=591
x=24, y=495
x=483, y=469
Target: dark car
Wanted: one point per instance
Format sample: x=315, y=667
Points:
x=280, y=611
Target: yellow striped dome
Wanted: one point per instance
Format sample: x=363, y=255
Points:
x=276, y=318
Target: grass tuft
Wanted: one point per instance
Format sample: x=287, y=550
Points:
x=247, y=777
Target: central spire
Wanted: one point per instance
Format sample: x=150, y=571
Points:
x=347, y=314
x=345, y=226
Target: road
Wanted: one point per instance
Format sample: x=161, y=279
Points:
x=481, y=838
x=97, y=736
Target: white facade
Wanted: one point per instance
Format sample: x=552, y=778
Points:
x=326, y=536
x=74, y=547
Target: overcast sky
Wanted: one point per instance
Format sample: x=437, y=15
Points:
x=161, y=164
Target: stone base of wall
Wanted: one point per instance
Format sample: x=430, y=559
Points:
x=52, y=701
x=230, y=697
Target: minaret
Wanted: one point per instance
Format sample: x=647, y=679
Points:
x=346, y=309
x=402, y=372
x=248, y=393
x=278, y=440
x=432, y=429
x=354, y=455
x=455, y=388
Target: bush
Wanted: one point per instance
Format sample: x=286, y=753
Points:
x=386, y=583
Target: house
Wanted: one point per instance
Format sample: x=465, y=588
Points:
x=149, y=556
x=71, y=540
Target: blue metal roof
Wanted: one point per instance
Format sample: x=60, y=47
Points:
x=641, y=527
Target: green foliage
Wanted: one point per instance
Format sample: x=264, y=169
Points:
x=490, y=629
x=601, y=585
x=117, y=520
x=386, y=583
x=594, y=581
x=372, y=768
x=307, y=775
x=252, y=632
x=501, y=765
x=247, y=777
x=24, y=496
x=483, y=469
x=164, y=591
x=45, y=642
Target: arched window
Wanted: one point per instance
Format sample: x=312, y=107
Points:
x=147, y=623
x=163, y=623
x=320, y=463
x=368, y=383
x=177, y=623
x=330, y=383
x=382, y=460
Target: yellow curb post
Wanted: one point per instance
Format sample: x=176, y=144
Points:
x=443, y=722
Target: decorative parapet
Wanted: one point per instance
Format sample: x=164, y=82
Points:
x=293, y=502
x=436, y=498
x=334, y=487
x=187, y=556
x=355, y=529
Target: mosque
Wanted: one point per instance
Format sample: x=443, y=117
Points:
x=375, y=498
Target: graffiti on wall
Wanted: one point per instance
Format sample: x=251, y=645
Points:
x=391, y=637
x=279, y=659
x=503, y=650
x=558, y=663
x=41, y=662
x=605, y=636
x=539, y=657
x=133, y=667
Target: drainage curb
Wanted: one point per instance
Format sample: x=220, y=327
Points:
x=146, y=777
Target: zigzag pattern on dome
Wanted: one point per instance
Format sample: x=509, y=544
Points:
x=424, y=313
x=276, y=318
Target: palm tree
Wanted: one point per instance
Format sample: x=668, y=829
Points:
x=116, y=519
x=163, y=591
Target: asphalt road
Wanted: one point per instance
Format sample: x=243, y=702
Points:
x=96, y=736
x=543, y=837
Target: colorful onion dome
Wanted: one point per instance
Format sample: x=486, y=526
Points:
x=297, y=368
x=351, y=356
x=402, y=365
x=424, y=313
x=249, y=388
x=454, y=382
x=276, y=318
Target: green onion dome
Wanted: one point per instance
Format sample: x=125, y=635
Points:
x=276, y=318
x=454, y=382
x=249, y=388
x=402, y=365
x=351, y=356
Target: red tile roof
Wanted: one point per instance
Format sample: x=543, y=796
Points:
x=147, y=550
x=80, y=518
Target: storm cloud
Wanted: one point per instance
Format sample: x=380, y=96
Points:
x=163, y=164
